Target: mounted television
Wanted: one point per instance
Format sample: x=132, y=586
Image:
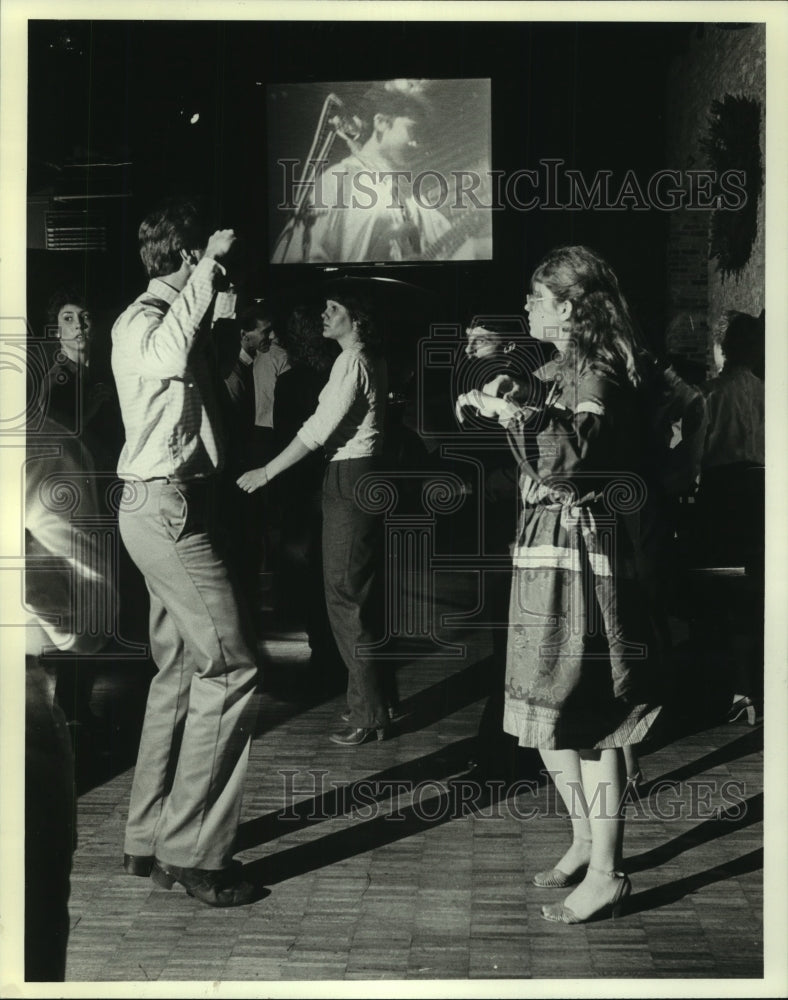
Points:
x=374, y=172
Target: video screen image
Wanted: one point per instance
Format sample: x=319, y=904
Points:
x=379, y=171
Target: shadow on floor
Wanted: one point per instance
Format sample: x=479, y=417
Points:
x=672, y=892
x=448, y=767
x=736, y=817
x=742, y=746
x=361, y=837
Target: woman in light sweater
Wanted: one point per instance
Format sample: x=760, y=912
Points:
x=348, y=425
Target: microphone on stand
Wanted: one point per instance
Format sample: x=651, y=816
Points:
x=335, y=120
x=344, y=124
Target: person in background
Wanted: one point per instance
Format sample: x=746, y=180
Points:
x=676, y=432
x=735, y=402
x=348, y=425
x=189, y=778
x=579, y=683
x=240, y=378
x=300, y=591
x=83, y=404
x=362, y=209
x=74, y=396
x=68, y=584
x=242, y=514
x=730, y=514
x=270, y=362
x=491, y=352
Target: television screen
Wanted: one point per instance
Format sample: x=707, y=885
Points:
x=378, y=171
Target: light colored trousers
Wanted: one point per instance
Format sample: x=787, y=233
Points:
x=188, y=782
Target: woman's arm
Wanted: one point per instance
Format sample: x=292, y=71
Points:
x=336, y=401
x=485, y=404
x=584, y=439
x=289, y=456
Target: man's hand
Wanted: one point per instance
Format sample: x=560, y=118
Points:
x=220, y=244
x=253, y=480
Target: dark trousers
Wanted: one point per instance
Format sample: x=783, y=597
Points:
x=265, y=506
x=352, y=549
x=49, y=829
x=496, y=750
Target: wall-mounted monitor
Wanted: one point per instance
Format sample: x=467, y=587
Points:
x=372, y=172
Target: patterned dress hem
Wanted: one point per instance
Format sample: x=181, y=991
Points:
x=540, y=727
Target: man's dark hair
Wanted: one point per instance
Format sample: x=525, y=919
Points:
x=505, y=328
x=742, y=340
x=394, y=104
x=175, y=225
x=254, y=313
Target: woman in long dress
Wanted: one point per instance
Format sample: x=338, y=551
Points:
x=580, y=678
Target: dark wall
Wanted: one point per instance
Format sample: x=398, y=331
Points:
x=591, y=95
x=719, y=61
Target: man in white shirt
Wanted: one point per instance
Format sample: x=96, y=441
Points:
x=186, y=795
x=270, y=361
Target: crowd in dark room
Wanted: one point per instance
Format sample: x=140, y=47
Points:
x=123, y=115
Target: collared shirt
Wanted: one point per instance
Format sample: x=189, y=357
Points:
x=348, y=421
x=268, y=366
x=162, y=368
x=735, y=404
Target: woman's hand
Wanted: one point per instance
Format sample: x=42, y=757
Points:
x=253, y=479
x=484, y=404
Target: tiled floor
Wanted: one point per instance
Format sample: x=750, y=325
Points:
x=389, y=862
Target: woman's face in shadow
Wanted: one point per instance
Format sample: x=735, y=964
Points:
x=337, y=324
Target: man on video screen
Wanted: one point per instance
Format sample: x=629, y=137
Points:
x=386, y=200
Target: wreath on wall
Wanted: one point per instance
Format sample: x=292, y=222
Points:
x=733, y=143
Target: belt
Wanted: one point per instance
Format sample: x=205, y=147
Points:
x=199, y=481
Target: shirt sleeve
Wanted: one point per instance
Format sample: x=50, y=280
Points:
x=161, y=343
x=282, y=364
x=345, y=384
x=581, y=431
x=574, y=436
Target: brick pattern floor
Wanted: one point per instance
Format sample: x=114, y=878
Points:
x=388, y=862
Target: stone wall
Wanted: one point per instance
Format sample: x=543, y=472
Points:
x=713, y=62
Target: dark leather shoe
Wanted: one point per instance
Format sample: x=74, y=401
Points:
x=138, y=864
x=355, y=736
x=214, y=888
